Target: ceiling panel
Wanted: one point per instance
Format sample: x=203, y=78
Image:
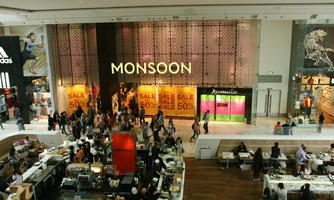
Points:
x=86, y=4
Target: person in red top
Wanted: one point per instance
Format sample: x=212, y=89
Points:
x=277, y=128
x=307, y=105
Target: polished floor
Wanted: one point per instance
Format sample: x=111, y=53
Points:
x=206, y=181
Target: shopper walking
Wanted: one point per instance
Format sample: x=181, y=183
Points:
x=257, y=164
x=1, y=122
x=63, y=119
x=56, y=119
x=135, y=113
x=141, y=115
x=171, y=127
x=321, y=122
x=195, y=128
x=51, y=124
x=161, y=122
x=206, y=119
x=20, y=124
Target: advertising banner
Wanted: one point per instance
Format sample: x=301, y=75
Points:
x=167, y=100
x=76, y=95
x=185, y=105
x=32, y=49
x=147, y=97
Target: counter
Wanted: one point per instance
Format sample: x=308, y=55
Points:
x=319, y=185
x=176, y=175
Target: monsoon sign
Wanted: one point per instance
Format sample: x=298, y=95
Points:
x=151, y=68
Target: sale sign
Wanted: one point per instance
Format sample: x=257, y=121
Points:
x=147, y=97
x=166, y=96
x=76, y=95
x=185, y=101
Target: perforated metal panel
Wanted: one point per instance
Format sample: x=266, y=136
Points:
x=222, y=53
x=75, y=53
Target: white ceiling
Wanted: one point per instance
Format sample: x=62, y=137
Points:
x=23, y=12
x=35, y=5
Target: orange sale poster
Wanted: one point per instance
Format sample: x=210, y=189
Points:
x=166, y=100
x=76, y=95
x=185, y=101
x=147, y=97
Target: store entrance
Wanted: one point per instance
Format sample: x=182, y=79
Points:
x=269, y=103
x=224, y=107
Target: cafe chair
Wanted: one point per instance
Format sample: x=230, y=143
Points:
x=245, y=169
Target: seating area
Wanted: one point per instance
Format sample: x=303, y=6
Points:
x=288, y=147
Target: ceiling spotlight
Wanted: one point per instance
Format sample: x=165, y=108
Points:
x=313, y=16
x=254, y=16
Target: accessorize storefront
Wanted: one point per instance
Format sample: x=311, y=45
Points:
x=225, y=104
x=311, y=72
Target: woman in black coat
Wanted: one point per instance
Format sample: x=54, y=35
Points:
x=257, y=164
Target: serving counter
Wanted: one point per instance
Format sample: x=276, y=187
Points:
x=319, y=184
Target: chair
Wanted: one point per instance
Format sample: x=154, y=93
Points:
x=245, y=169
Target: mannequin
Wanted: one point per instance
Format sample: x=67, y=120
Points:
x=307, y=105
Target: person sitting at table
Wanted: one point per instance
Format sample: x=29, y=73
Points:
x=257, y=164
x=240, y=148
x=297, y=171
x=331, y=151
x=307, y=194
x=301, y=156
x=282, y=193
x=27, y=142
x=275, y=153
x=170, y=141
x=308, y=169
x=266, y=194
x=277, y=128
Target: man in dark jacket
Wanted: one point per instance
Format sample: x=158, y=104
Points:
x=51, y=125
x=275, y=153
x=56, y=118
x=321, y=122
x=63, y=120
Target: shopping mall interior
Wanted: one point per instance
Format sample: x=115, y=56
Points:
x=157, y=100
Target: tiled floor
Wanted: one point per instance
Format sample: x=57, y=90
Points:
x=264, y=126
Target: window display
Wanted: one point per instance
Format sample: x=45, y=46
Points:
x=311, y=71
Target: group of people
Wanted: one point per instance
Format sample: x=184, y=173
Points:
x=80, y=122
x=281, y=193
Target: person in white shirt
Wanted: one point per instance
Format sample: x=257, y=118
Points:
x=282, y=193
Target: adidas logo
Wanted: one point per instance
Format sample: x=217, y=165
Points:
x=4, y=59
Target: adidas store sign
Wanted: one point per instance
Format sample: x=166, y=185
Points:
x=4, y=59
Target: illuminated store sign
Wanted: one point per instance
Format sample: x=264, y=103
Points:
x=151, y=68
x=232, y=91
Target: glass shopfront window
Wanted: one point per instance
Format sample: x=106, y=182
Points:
x=311, y=70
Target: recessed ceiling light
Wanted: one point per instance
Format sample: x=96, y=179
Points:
x=81, y=1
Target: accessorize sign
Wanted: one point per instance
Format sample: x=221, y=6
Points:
x=76, y=95
x=173, y=101
x=151, y=68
